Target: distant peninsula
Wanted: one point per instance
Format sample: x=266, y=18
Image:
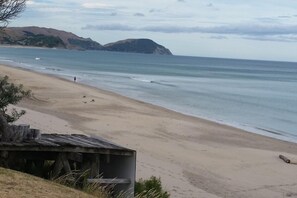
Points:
x=51, y=38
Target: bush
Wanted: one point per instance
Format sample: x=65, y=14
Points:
x=151, y=188
x=11, y=94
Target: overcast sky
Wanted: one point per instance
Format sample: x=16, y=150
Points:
x=254, y=29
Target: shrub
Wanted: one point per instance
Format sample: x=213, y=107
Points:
x=151, y=188
x=11, y=94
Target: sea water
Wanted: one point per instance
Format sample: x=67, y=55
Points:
x=258, y=96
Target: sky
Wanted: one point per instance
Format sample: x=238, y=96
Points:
x=254, y=29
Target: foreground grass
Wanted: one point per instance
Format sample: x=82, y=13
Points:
x=15, y=184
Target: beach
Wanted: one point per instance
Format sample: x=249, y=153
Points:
x=193, y=157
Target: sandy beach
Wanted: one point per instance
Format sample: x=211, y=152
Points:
x=192, y=156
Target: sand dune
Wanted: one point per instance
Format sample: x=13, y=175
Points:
x=193, y=157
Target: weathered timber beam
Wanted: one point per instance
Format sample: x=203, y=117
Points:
x=95, y=166
x=61, y=163
x=110, y=181
x=20, y=147
x=36, y=155
x=77, y=157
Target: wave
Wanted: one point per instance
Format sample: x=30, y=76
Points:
x=270, y=131
x=142, y=79
x=53, y=69
x=6, y=60
x=145, y=80
x=279, y=134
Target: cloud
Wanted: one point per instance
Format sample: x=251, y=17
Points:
x=219, y=37
x=154, y=10
x=267, y=19
x=284, y=17
x=110, y=27
x=183, y=1
x=212, y=6
x=252, y=32
x=278, y=38
x=31, y=2
x=138, y=14
x=44, y=7
x=224, y=29
x=95, y=5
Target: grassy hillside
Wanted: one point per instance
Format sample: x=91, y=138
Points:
x=46, y=37
x=15, y=184
x=52, y=38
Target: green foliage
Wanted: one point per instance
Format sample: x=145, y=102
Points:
x=41, y=40
x=37, y=40
x=151, y=188
x=11, y=94
x=85, y=44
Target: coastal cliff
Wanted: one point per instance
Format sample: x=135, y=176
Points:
x=52, y=38
x=145, y=46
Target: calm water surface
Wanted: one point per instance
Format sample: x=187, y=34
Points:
x=259, y=96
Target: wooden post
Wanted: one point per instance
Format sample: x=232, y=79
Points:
x=19, y=132
x=86, y=164
x=39, y=164
x=95, y=166
x=35, y=133
x=3, y=159
x=61, y=163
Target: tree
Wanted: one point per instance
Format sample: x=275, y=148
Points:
x=9, y=94
x=9, y=9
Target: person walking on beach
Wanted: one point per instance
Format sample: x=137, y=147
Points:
x=74, y=79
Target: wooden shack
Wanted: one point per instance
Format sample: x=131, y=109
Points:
x=105, y=162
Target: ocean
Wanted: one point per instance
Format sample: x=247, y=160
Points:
x=257, y=96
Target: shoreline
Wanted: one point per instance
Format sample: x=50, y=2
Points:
x=245, y=128
x=194, y=157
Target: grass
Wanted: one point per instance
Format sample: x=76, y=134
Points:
x=15, y=184
x=150, y=188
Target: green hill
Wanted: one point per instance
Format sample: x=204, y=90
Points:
x=46, y=37
x=52, y=38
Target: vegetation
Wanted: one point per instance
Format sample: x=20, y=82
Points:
x=151, y=188
x=11, y=94
x=79, y=181
x=16, y=184
x=85, y=44
x=40, y=40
